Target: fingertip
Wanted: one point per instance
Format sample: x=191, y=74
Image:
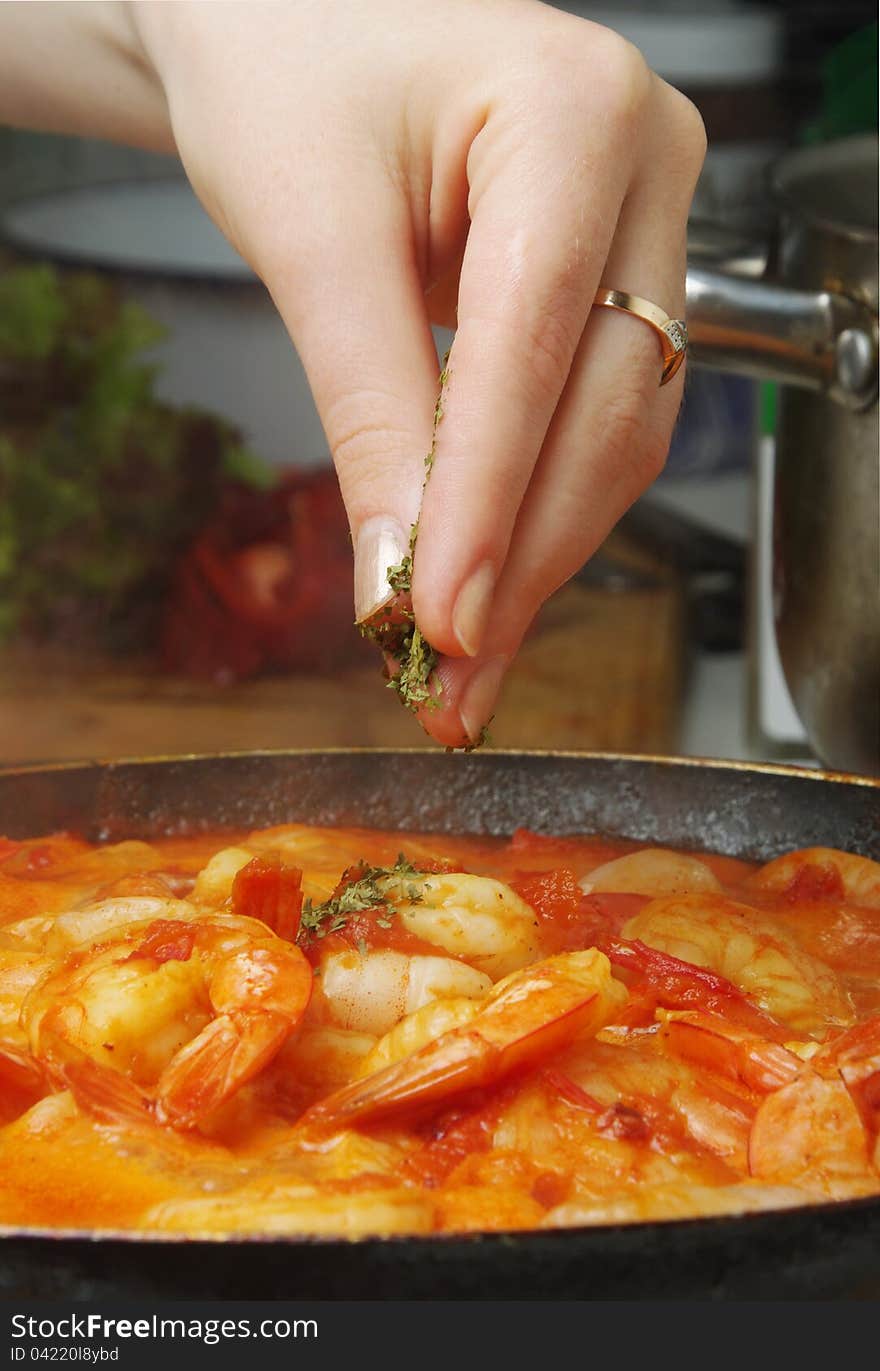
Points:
x=467, y=697
x=477, y=703
x=444, y=726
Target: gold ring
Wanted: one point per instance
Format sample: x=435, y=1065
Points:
x=672, y=333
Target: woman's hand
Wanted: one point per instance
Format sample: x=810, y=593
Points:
x=484, y=164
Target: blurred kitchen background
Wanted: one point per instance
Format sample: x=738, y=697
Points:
x=175, y=568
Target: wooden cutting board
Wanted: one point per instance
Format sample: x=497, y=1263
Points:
x=602, y=669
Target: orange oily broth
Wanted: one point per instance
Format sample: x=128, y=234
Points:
x=71, y=1174
x=597, y=1127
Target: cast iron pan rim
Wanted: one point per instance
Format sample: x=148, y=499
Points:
x=663, y=760
x=503, y=1237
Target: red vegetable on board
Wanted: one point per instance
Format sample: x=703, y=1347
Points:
x=266, y=586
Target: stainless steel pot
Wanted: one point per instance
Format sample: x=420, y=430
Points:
x=804, y=313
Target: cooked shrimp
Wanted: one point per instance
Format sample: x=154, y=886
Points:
x=372, y=991
x=324, y=1058
x=86, y=922
x=474, y=917
x=378, y=1210
x=677, y=1200
x=821, y=873
x=417, y=1030
x=855, y=1053
x=810, y=1134
x=532, y=1145
x=322, y=853
x=26, y=935
x=651, y=871
x=78, y=865
x=94, y=920
x=728, y=1048
x=759, y=957
x=193, y=1009
x=19, y=973
x=213, y=884
x=647, y=1083
x=40, y=879
x=327, y=851
x=314, y=847
x=529, y=1015
x=30, y=949
x=855, y=1057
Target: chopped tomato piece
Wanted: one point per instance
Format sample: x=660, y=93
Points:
x=434, y=866
x=268, y=890
x=815, y=881
x=682, y=985
x=871, y=1092
x=371, y=931
x=167, y=940
x=625, y=1122
x=555, y=896
x=551, y=1188
x=29, y=859
x=615, y=908
x=457, y=1134
x=572, y=919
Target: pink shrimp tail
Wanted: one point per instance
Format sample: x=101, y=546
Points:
x=106, y=1095
x=21, y=1075
x=228, y=1053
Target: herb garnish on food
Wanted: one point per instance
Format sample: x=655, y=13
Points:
x=359, y=889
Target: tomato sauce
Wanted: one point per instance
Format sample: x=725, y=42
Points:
x=173, y=1059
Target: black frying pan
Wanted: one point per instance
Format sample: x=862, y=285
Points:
x=822, y=1251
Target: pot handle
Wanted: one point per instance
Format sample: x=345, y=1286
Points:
x=817, y=340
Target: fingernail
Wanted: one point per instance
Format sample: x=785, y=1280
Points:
x=381, y=543
x=471, y=612
x=480, y=695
